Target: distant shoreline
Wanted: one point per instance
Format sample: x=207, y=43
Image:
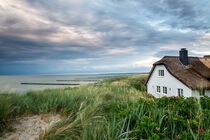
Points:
x=74, y=74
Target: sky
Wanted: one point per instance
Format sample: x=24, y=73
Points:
x=98, y=36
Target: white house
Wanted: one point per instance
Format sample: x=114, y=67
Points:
x=180, y=76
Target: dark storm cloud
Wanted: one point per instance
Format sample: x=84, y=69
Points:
x=27, y=50
x=98, y=32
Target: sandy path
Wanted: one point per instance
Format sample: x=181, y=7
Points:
x=29, y=128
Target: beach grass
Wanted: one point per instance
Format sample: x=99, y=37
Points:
x=116, y=108
x=65, y=101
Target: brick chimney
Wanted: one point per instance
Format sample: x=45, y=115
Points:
x=183, y=56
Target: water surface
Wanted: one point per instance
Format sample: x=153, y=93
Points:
x=11, y=84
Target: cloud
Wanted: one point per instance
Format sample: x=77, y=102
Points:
x=101, y=35
x=201, y=52
x=114, y=51
x=180, y=14
x=146, y=62
x=167, y=53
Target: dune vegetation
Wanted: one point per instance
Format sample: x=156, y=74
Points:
x=115, y=108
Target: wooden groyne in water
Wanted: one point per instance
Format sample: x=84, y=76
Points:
x=78, y=80
x=50, y=84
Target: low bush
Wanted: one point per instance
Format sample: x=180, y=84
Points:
x=167, y=118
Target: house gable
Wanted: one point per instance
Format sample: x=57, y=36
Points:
x=168, y=80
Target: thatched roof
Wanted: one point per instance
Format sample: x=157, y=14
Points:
x=195, y=76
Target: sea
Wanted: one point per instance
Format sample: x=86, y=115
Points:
x=23, y=84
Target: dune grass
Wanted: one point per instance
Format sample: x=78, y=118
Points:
x=65, y=101
x=116, y=108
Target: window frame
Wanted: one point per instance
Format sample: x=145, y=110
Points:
x=165, y=90
x=202, y=92
x=161, y=73
x=180, y=92
x=158, y=89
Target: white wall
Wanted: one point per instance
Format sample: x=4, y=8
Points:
x=168, y=81
x=195, y=93
x=207, y=92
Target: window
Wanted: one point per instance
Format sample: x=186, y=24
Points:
x=202, y=92
x=180, y=92
x=165, y=90
x=161, y=73
x=158, y=89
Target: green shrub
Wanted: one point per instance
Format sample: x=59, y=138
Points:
x=147, y=128
x=171, y=117
x=205, y=102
